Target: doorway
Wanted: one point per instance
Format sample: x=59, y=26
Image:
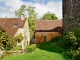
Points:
x=44, y=38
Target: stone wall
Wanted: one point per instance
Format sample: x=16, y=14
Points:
x=26, y=31
x=26, y=35
x=71, y=14
x=49, y=35
x=20, y=30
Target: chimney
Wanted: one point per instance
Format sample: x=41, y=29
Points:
x=22, y=17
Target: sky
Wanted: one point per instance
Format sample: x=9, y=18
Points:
x=8, y=7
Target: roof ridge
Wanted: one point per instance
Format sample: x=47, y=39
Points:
x=48, y=20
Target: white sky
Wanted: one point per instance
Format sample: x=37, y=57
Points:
x=8, y=7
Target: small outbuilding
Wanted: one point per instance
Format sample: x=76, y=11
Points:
x=45, y=30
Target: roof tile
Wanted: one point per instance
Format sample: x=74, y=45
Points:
x=8, y=25
x=46, y=25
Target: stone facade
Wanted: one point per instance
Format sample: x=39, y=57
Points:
x=26, y=34
x=45, y=30
x=42, y=37
x=15, y=26
x=71, y=14
x=20, y=30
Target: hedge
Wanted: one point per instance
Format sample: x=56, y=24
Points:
x=31, y=48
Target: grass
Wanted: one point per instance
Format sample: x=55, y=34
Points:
x=46, y=51
x=31, y=48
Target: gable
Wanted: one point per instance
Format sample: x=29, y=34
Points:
x=8, y=25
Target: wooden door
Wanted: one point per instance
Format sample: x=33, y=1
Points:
x=44, y=38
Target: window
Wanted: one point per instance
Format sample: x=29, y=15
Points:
x=15, y=25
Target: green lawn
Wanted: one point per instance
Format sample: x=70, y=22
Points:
x=46, y=51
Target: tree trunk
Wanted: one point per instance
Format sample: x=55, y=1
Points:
x=71, y=14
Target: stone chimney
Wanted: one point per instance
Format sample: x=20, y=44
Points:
x=22, y=17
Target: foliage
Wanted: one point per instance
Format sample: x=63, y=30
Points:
x=18, y=37
x=56, y=39
x=49, y=16
x=76, y=32
x=17, y=48
x=20, y=11
x=70, y=42
x=3, y=35
x=6, y=52
x=32, y=17
x=3, y=38
x=44, y=52
x=12, y=42
x=76, y=52
x=31, y=48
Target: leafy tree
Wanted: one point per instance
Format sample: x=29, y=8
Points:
x=20, y=11
x=32, y=17
x=49, y=16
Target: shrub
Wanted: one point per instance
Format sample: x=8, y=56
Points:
x=6, y=52
x=70, y=42
x=18, y=38
x=31, y=48
x=3, y=38
x=12, y=42
x=17, y=48
x=56, y=39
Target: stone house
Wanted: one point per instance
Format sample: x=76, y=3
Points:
x=45, y=30
x=15, y=26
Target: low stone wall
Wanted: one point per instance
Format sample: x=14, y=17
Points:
x=1, y=53
x=16, y=52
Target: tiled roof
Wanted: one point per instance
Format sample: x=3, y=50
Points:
x=8, y=25
x=48, y=25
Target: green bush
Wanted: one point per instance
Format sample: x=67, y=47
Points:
x=70, y=42
x=3, y=38
x=56, y=39
x=12, y=42
x=17, y=48
x=18, y=38
x=6, y=52
x=31, y=48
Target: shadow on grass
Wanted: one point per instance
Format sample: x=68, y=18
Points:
x=51, y=47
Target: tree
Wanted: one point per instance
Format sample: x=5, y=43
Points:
x=32, y=17
x=49, y=16
x=71, y=14
x=20, y=11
